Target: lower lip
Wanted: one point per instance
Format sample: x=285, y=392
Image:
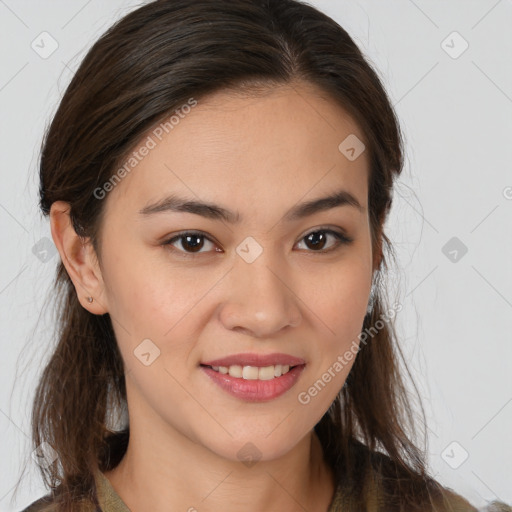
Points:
x=255, y=390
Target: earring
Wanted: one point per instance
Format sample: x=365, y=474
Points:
x=89, y=299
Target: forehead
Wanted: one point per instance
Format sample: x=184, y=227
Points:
x=239, y=148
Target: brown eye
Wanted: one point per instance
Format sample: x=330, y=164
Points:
x=188, y=243
x=316, y=240
x=193, y=243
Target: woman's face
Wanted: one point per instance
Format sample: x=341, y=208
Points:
x=255, y=282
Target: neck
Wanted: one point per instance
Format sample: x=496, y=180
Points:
x=171, y=472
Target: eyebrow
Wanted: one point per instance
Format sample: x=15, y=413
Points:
x=174, y=203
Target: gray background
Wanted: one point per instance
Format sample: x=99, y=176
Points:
x=455, y=192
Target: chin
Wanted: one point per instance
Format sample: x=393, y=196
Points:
x=252, y=448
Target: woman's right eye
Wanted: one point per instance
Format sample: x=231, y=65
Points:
x=191, y=243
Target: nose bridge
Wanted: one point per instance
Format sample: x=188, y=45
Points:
x=260, y=299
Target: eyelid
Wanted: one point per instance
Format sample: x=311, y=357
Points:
x=327, y=227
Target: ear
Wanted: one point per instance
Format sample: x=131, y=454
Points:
x=79, y=258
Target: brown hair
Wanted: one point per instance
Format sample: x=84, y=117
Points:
x=145, y=66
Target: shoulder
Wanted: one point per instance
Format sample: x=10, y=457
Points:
x=388, y=486
x=44, y=504
x=450, y=501
x=454, y=502
x=47, y=503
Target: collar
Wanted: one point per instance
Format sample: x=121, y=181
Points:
x=108, y=499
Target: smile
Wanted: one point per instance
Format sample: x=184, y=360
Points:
x=254, y=384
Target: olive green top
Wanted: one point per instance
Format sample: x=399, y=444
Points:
x=110, y=501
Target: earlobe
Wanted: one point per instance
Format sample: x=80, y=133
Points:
x=79, y=258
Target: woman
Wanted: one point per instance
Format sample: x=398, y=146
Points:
x=217, y=177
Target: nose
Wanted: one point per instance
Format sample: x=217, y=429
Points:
x=260, y=300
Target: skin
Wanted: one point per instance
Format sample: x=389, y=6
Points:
x=260, y=156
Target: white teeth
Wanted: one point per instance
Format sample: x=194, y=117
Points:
x=253, y=372
x=250, y=372
x=235, y=371
x=265, y=373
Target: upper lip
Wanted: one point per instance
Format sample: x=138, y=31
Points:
x=250, y=359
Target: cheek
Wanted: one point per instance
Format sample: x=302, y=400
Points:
x=338, y=298
x=338, y=301
x=146, y=296
x=339, y=312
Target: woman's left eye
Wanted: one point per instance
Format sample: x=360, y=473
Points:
x=192, y=242
x=318, y=237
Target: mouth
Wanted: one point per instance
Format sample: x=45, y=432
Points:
x=252, y=383
x=255, y=377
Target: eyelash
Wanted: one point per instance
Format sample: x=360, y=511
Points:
x=340, y=237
